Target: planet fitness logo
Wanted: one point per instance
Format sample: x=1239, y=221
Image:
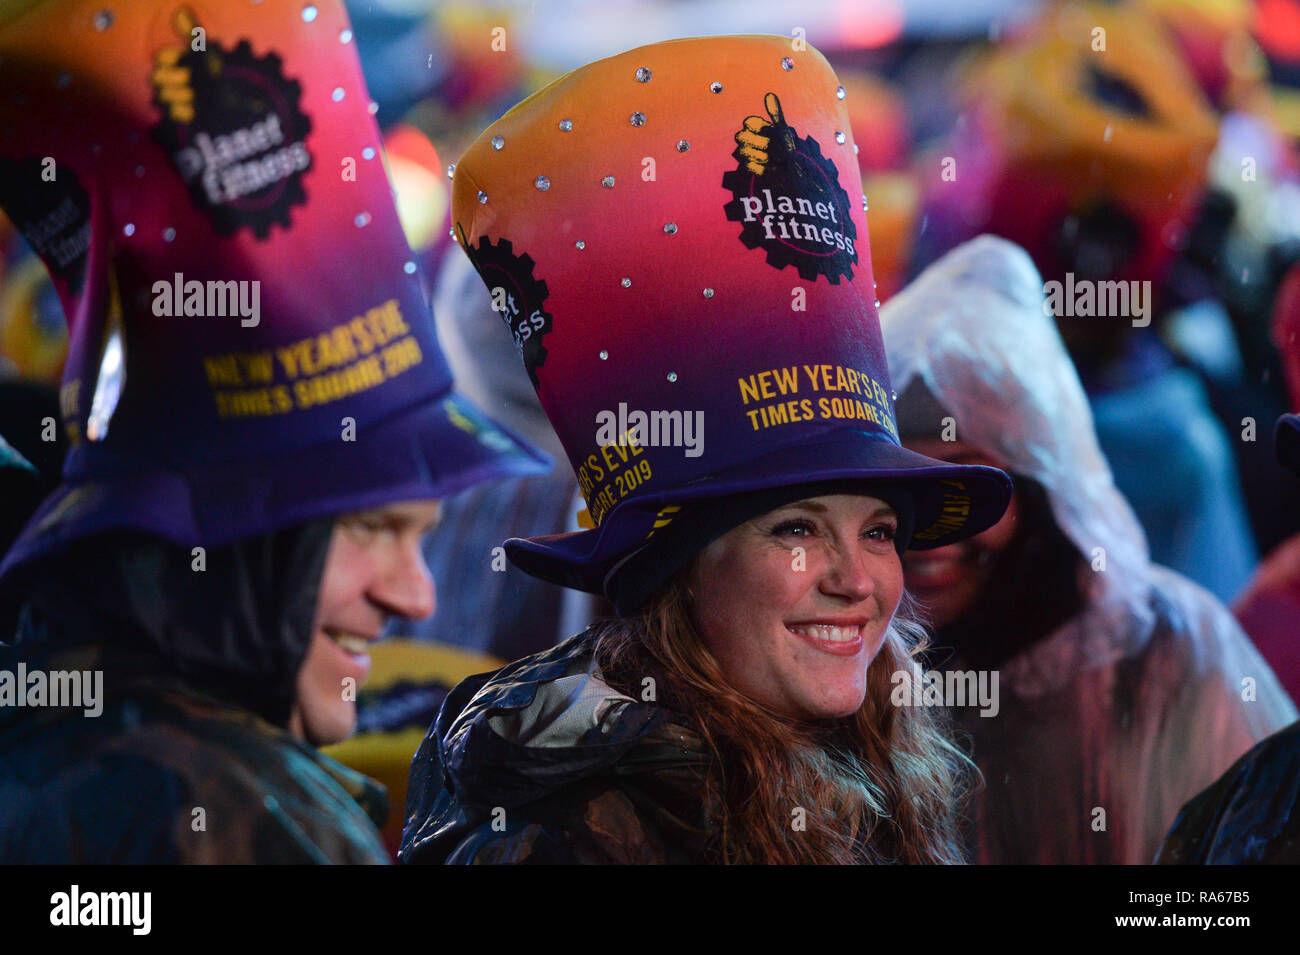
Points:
x=517, y=296
x=233, y=126
x=788, y=198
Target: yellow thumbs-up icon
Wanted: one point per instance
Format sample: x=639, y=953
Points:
x=757, y=134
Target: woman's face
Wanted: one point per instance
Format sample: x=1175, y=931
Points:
x=946, y=580
x=795, y=603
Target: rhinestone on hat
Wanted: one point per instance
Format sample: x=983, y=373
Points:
x=345, y=35
x=498, y=142
x=643, y=75
x=580, y=245
x=637, y=119
x=683, y=145
x=864, y=202
x=542, y=183
x=670, y=228
x=368, y=153
x=715, y=86
x=608, y=182
x=626, y=283
x=604, y=355
x=482, y=197
x=672, y=376
x=451, y=171
x=708, y=293
x=337, y=95
x=409, y=267
x=168, y=234
x=103, y=20
x=362, y=220
x=839, y=136
x=309, y=13
x=566, y=125
x=787, y=64
x=839, y=92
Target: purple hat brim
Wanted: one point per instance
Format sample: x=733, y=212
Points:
x=431, y=451
x=586, y=560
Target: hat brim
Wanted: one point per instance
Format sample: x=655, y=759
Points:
x=586, y=560
x=430, y=451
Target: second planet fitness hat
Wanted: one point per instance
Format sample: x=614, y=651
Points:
x=249, y=345
x=676, y=238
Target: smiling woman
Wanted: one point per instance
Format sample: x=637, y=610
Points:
x=781, y=638
x=743, y=714
x=739, y=711
x=795, y=603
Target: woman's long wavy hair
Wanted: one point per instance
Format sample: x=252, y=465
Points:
x=882, y=785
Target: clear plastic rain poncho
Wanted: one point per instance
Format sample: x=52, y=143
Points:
x=1110, y=723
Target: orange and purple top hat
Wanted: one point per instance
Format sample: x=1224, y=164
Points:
x=676, y=238
x=249, y=345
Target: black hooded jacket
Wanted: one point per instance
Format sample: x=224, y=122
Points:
x=189, y=758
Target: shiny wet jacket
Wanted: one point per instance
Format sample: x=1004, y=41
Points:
x=1251, y=815
x=544, y=762
x=190, y=760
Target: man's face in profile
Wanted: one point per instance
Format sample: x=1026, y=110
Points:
x=375, y=569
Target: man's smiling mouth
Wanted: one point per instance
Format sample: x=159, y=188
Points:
x=353, y=643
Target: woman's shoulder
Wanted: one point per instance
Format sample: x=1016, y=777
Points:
x=554, y=699
x=545, y=760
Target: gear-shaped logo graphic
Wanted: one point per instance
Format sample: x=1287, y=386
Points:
x=518, y=297
x=233, y=125
x=788, y=199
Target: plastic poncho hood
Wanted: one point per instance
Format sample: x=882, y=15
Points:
x=1136, y=702
x=972, y=331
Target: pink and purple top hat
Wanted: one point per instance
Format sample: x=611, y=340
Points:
x=249, y=345
x=676, y=238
